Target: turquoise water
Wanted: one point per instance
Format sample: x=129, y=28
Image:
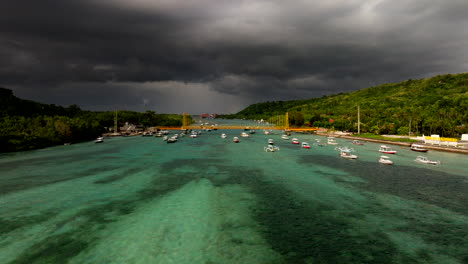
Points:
x=208, y=200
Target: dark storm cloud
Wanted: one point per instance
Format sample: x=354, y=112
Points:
x=256, y=50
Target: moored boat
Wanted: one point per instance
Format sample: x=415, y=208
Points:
x=305, y=145
x=331, y=141
x=271, y=148
x=270, y=141
x=295, y=141
x=235, y=140
x=223, y=135
x=284, y=137
x=387, y=150
x=357, y=142
x=347, y=155
x=243, y=134
x=425, y=160
x=418, y=148
x=385, y=160
x=172, y=139
x=99, y=140
x=345, y=152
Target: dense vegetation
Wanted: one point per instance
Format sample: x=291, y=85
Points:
x=437, y=105
x=26, y=125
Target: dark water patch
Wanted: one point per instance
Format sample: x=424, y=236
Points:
x=8, y=225
x=195, y=163
x=451, y=236
x=54, y=249
x=54, y=159
x=304, y=232
x=301, y=231
x=419, y=184
x=36, y=180
x=119, y=176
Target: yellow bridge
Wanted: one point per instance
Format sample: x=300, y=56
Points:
x=278, y=123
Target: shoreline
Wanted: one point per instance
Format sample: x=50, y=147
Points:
x=405, y=144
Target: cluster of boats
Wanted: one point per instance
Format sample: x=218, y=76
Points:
x=344, y=151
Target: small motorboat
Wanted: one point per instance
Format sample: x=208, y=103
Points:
x=99, y=140
x=252, y=131
x=284, y=137
x=385, y=160
x=223, y=135
x=295, y=141
x=345, y=152
x=357, y=142
x=271, y=148
x=235, y=140
x=387, y=150
x=331, y=141
x=193, y=134
x=419, y=148
x=305, y=145
x=270, y=141
x=425, y=160
x=319, y=143
x=347, y=155
x=244, y=134
x=165, y=138
x=172, y=139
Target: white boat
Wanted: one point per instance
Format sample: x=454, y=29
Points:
x=165, y=138
x=419, y=148
x=344, y=148
x=385, y=160
x=223, y=135
x=319, y=143
x=193, y=135
x=305, y=145
x=147, y=134
x=284, y=137
x=235, y=140
x=425, y=160
x=348, y=155
x=271, y=148
x=295, y=141
x=252, y=131
x=266, y=132
x=345, y=152
x=270, y=141
x=387, y=150
x=172, y=139
x=357, y=142
x=243, y=134
x=331, y=141
x=99, y=140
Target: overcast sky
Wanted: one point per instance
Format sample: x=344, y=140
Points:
x=219, y=56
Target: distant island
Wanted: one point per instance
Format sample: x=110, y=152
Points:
x=28, y=125
x=436, y=105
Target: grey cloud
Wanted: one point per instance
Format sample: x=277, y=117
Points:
x=262, y=50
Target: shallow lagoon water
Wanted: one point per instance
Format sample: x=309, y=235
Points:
x=208, y=200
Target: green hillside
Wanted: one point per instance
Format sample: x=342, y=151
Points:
x=437, y=105
x=26, y=125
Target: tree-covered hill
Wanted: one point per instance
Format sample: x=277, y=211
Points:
x=437, y=105
x=26, y=124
